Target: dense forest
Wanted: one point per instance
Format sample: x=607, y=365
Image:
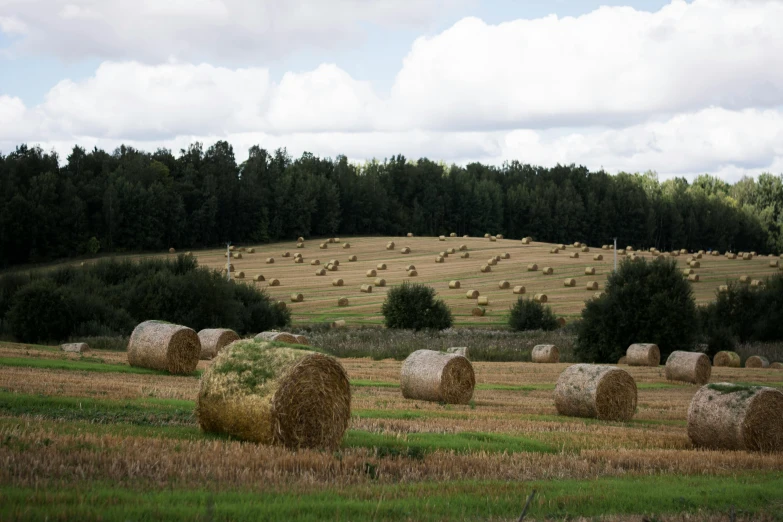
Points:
x=131, y=200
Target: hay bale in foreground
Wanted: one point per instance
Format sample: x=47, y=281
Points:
x=257, y=392
x=164, y=346
x=519, y=290
x=75, y=347
x=454, y=285
x=213, y=340
x=540, y=298
x=342, y=301
x=428, y=375
x=692, y=367
x=728, y=416
x=643, y=354
x=599, y=392
x=545, y=353
x=727, y=359
x=757, y=361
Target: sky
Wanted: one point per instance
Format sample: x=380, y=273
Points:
x=678, y=87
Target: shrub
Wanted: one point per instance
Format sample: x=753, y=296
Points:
x=648, y=302
x=527, y=314
x=39, y=313
x=414, y=306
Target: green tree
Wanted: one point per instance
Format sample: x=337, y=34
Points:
x=413, y=306
x=527, y=314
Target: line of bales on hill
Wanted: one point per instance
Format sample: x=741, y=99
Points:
x=276, y=389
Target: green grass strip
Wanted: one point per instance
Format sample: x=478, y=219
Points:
x=752, y=494
x=464, y=442
x=76, y=365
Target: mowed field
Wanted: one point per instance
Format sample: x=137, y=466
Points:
x=89, y=437
x=320, y=296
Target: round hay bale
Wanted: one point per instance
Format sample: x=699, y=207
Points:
x=694, y=264
x=731, y=256
x=687, y=272
x=486, y=268
x=346, y=245
x=381, y=266
x=723, y=289
x=281, y=305
x=620, y=252
x=574, y=255
x=532, y=267
x=441, y=238
x=239, y=275
x=454, y=285
x=747, y=257
x=315, y=262
x=332, y=268
x=351, y=259
x=486, y=236
x=554, y=251
x=463, y=247
x=439, y=259
x=274, y=335
x=300, y=239
x=504, y=285
x=465, y=255
x=585, y=249
x=728, y=416
x=643, y=354
x=390, y=245
x=410, y=234
x=285, y=254
x=492, y=261
x=405, y=250
x=493, y=238
x=445, y=253
x=75, y=347
x=380, y=282
x=483, y=300
x=300, y=245
x=506, y=255
x=164, y=346
x=692, y=367
x=270, y=260
x=213, y=340
x=340, y=323
x=598, y=295
x=323, y=246
x=540, y=298
x=776, y=365
x=337, y=282
x=320, y=272
x=589, y=270
x=172, y=250
x=410, y=267
x=189, y=253
x=591, y=286
x=466, y=236
x=258, y=392
x=371, y=273
x=622, y=360
x=755, y=283
x=438, y=377
x=412, y=273
x=743, y=279
x=298, y=260
x=472, y=294
x=561, y=247
x=599, y=392
x=274, y=282
x=569, y=282
x=545, y=353
x=548, y=270
x=298, y=255
x=519, y=289
x=367, y=289
x=727, y=359
x=499, y=236
x=342, y=301
x=693, y=278
x=297, y=298
x=259, y=277
x=757, y=361
x=478, y=311
x=453, y=234
x=577, y=244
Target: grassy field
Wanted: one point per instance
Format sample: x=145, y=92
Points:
x=90, y=438
x=320, y=297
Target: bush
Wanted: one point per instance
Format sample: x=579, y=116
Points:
x=39, y=313
x=527, y=314
x=643, y=303
x=414, y=306
x=719, y=340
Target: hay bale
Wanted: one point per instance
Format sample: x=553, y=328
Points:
x=453, y=234
x=554, y=251
x=773, y=263
x=441, y=238
x=410, y=267
x=340, y=323
x=258, y=392
x=297, y=298
x=315, y=262
x=492, y=261
x=532, y=267
x=545, y=353
x=591, y=286
x=540, y=298
x=757, y=361
x=728, y=416
x=367, y=289
x=577, y=244
x=454, y=285
x=683, y=251
x=346, y=245
x=622, y=360
x=574, y=255
x=465, y=255
x=499, y=236
x=342, y=301
x=437, y=377
x=598, y=295
x=380, y=282
x=506, y=255
x=585, y=249
x=486, y=268
x=472, y=294
x=755, y=283
x=274, y=282
x=694, y=264
x=410, y=234
x=332, y=268
x=643, y=354
x=589, y=270
x=621, y=252
x=299, y=260
x=439, y=259
x=463, y=248
x=776, y=366
x=599, y=392
x=753, y=253
x=548, y=270
x=743, y=279
x=352, y=259
x=693, y=278
x=526, y=240
x=337, y=282
x=723, y=289
x=504, y=285
x=213, y=340
x=276, y=336
x=569, y=282
x=301, y=339
x=259, y=277
x=698, y=256
x=75, y=347
x=478, y=311
x=519, y=290
x=381, y=266
x=285, y=254
x=270, y=260
x=172, y=250
x=405, y=250
x=239, y=275
x=323, y=246
x=412, y=273
x=466, y=236
x=371, y=273
x=390, y=245
x=561, y=247
x=444, y=254
x=493, y=238
x=164, y=346
x=692, y=367
x=747, y=257
x=687, y=272
x=320, y=272
x=281, y=305
x=483, y=300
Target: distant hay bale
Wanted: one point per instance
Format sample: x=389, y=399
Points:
x=683, y=251
x=342, y=301
x=285, y=254
x=731, y=256
x=301, y=339
x=300, y=245
x=437, y=377
x=453, y=234
x=274, y=282
x=281, y=305
x=367, y=289
x=463, y=247
x=693, y=278
x=213, y=340
x=692, y=367
x=585, y=249
x=598, y=392
x=540, y=298
x=492, y=261
x=273, y=395
x=504, y=285
x=569, y=282
x=723, y=289
x=451, y=251
x=323, y=246
x=622, y=360
x=410, y=234
x=352, y=259
x=276, y=336
x=589, y=270
x=315, y=262
x=441, y=238
x=727, y=416
x=754, y=254
x=390, y=245
x=465, y=255
x=629, y=248
x=506, y=255
x=493, y=238
x=756, y=283
x=483, y=300
x=75, y=347
x=172, y=250
x=346, y=245
x=532, y=267
x=577, y=244
x=454, y=285
x=300, y=239
x=405, y=250
x=591, y=286
x=371, y=273
x=747, y=257
x=299, y=260
x=574, y=255
x=499, y=236
x=466, y=236
x=548, y=270
x=698, y=256
x=773, y=263
x=472, y=294
x=164, y=346
x=320, y=272
x=297, y=298
x=621, y=252
x=519, y=290
x=545, y=353
x=757, y=361
x=270, y=260
x=381, y=266
x=744, y=279
x=410, y=267
x=695, y=264
x=251, y=250
x=486, y=236
x=525, y=240
x=486, y=268
x=259, y=277
x=337, y=282
x=643, y=354
x=439, y=259
x=412, y=273
x=776, y=365
x=478, y=311
x=561, y=247
x=380, y=282
x=604, y=247
x=554, y=251
x=239, y=275
x=332, y=268
x=340, y=323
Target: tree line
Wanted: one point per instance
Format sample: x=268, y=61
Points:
x=131, y=200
